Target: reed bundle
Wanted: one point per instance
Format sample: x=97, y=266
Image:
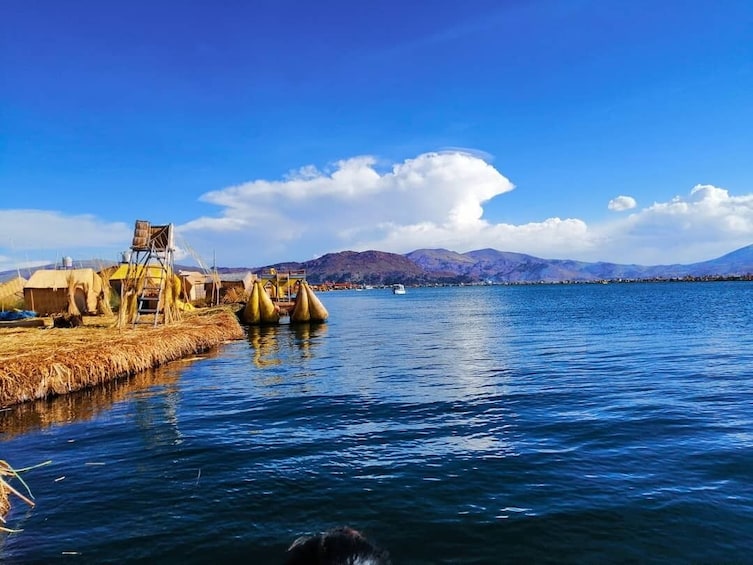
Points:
x=103, y=298
x=170, y=298
x=235, y=295
x=37, y=364
x=72, y=309
x=141, y=277
x=131, y=287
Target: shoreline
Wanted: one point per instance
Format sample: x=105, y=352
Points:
x=41, y=363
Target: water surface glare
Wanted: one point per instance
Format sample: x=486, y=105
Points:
x=521, y=424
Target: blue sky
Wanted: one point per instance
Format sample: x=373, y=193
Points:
x=281, y=130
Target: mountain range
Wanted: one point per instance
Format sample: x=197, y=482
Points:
x=441, y=266
x=427, y=266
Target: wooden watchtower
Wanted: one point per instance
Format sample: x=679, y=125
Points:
x=150, y=287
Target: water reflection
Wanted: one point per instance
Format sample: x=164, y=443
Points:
x=157, y=415
x=87, y=404
x=263, y=340
x=305, y=336
x=272, y=344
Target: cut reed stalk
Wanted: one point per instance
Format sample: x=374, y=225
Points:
x=6, y=489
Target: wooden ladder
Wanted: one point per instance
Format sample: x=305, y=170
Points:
x=152, y=293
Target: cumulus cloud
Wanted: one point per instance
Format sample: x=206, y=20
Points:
x=353, y=205
x=433, y=200
x=437, y=200
x=622, y=203
x=706, y=223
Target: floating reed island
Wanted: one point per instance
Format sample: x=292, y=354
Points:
x=40, y=363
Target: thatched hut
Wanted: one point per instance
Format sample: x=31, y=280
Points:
x=47, y=291
x=237, y=282
x=192, y=285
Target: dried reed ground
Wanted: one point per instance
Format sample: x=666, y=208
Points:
x=39, y=363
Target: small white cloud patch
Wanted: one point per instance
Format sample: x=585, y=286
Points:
x=622, y=203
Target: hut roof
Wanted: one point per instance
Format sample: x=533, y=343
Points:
x=193, y=277
x=238, y=276
x=59, y=278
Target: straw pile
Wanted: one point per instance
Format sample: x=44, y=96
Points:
x=38, y=363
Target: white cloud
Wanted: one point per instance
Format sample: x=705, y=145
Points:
x=622, y=203
x=437, y=199
x=36, y=237
x=433, y=200
x=354, y=203
x=703, y=225
x=46, y=229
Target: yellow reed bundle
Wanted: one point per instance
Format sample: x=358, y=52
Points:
x=131, y=288
x=72, y=309
x=103, y=298
x=301, y=309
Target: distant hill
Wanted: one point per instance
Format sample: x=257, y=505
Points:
x=366, y=267
x=427, y=266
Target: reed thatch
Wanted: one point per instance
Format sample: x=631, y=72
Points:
x=38, y=363
x=12, y=293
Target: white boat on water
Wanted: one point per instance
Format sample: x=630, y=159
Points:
x=398, y=289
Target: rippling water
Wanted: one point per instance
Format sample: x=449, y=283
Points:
x=583, y=423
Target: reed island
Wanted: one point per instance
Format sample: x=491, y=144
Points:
x=67, y=329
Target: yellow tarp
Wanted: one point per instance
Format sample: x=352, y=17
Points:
x=154, y=272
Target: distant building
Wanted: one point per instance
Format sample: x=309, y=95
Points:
x=240, y=281
x=193, y=285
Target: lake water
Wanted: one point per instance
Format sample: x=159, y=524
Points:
x=522, y=424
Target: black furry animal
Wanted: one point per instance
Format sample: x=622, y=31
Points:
x=67, y=321
x=339, y=546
